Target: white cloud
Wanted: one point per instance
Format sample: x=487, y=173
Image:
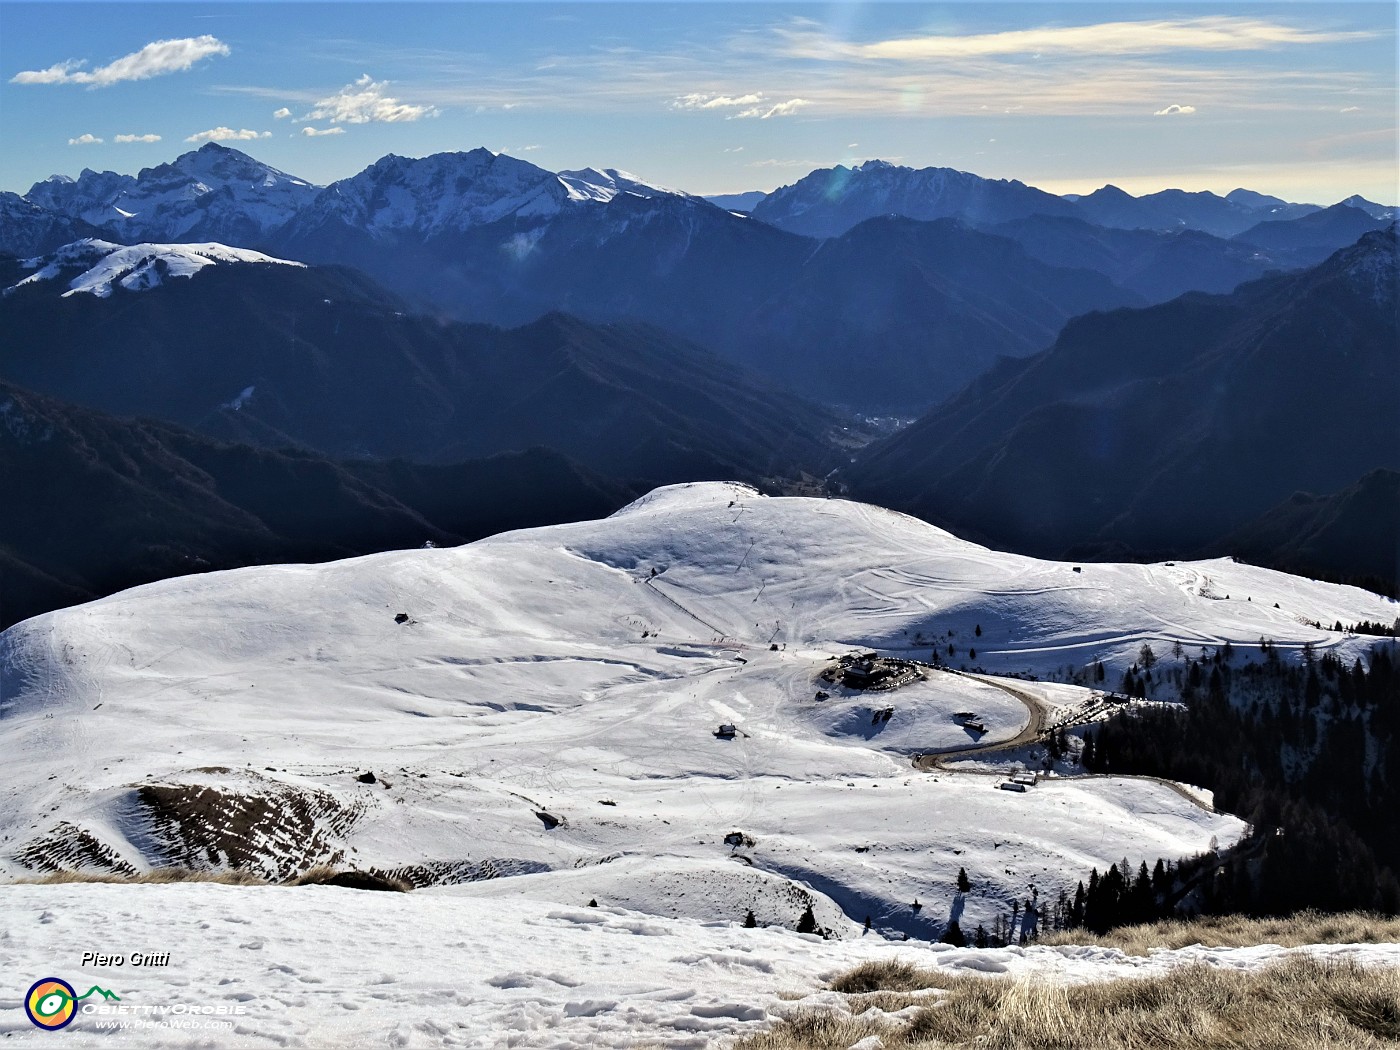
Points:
x=757, y=107
x=1351, y=109
x=227, y=135
x=1175, y=111
x=135, y=138
x=281, y=114
x=528, y=149
x=703, y=100
x=56, y=74
x=1315, y=79
x=1210, y=33
x=84, y=140
x=735, y=149
x=312, y=133
x=365, y=101
x=782, y=109
x=154, y=60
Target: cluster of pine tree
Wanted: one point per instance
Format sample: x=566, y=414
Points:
x=1378, y=629
x=1120, y=897
x=1308, y=754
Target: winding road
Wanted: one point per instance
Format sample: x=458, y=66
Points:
x=1032, y=732
x=1035, y=726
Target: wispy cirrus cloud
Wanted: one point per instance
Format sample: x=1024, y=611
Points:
x=135, y=138
x=754, y=103
x=155, y=59
x=806, y=39
x=985, y=74
x=704, y=100
x=780, y=109
x=1175, y=111
x=222, y=134
x=84, y=140
x=366, y=101
x=311, y=133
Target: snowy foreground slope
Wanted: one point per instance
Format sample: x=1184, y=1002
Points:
x=325, y=967
x=538, y=711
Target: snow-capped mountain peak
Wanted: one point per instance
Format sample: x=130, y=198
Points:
x=830, y=201
x=604, y=185
x=1371, y=208
x=439, y=193
x=212, y=193
x=97, y=267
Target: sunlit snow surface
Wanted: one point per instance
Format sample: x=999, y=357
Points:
x=324, y=967
x=136, y=267
x=543, y=722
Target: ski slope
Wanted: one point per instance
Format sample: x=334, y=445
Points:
x=538, y=711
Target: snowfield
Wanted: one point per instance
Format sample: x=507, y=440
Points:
x=326, y=967
x=96, y=267
x=527, y=724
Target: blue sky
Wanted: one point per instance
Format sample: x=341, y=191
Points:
x=1289, y=98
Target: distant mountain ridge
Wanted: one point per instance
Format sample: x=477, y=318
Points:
x=1339, y=535
x=28, y=229
x=895, y=312
x=741, y=202
x=914, y=283
x=1225, y=406
x=831, y=201
x=211, y=194
x=126, y=502
x=217, y=193
x=220, y=193
x=1316, y=232
x=322, y=358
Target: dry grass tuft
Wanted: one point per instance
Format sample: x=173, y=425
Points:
x=823, y=1030
x=1300, y=1003
x=887, y=975
x=1234, y=931
x=156, y=877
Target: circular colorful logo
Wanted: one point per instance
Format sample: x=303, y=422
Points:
x=51, y=1003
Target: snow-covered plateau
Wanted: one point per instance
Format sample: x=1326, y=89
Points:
x=96, y=267
x=527, y=725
